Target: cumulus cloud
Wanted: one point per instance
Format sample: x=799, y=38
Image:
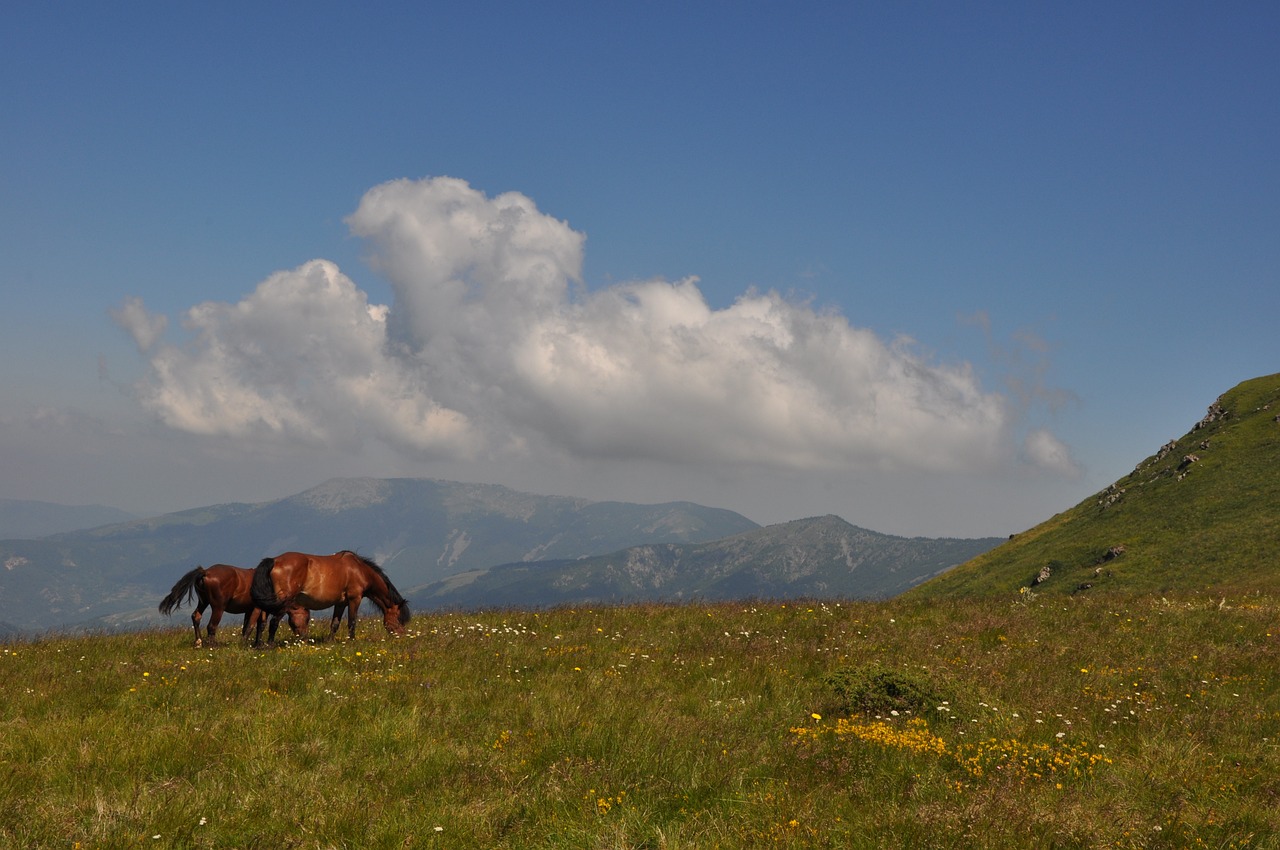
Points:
x=493, y=345
x=304, y=357
x=145, y=328
x=1046, y=451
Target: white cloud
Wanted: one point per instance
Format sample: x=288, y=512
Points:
x=145, y=328
x=1046, y=451
x=493, y=345
x=304, y=357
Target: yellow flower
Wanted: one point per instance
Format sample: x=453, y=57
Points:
x=816, y=716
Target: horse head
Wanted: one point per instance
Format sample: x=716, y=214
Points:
x=395, y=615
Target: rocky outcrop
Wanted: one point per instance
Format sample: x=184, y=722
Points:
x=1111, y=495
x=1216, y=412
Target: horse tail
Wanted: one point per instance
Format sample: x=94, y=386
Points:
x=182, y=591
x=263, y=589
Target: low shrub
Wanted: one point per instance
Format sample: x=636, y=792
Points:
x=874, y=690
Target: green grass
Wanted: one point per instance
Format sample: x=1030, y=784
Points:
x=1211, y=523
x=1085, y=721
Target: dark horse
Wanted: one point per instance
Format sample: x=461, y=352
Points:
x=223, y=588
x=295, y=583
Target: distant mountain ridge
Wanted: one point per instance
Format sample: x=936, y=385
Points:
x=420, y=530
x=1201, y=514
x=816, y=557
x=453, y=543
x=32, y=519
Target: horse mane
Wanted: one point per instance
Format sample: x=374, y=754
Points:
x=182, y=591
x=393, y=595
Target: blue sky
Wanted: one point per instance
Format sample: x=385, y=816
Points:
x=957, y=265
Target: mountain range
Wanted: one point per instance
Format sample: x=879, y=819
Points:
x=24, y=518
x=820, y=557
x=451, y=544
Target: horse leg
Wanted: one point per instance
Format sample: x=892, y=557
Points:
x=353, y=605
x=195, y=622
x=271, y=631
x=215, y=617
x=262, y=622
x=251, y=619
x=338, y=611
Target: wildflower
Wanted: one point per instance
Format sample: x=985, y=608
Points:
x=816, y=716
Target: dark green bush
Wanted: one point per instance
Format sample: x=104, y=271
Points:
x=876, y=690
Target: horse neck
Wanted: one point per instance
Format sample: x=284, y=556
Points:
x=378, y=592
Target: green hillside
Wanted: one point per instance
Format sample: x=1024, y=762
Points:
x=1201, y=515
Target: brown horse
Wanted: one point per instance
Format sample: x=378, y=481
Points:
x=222, y=587
x=296, y=583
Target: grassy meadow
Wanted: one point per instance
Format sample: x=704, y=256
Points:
x=1026, y=721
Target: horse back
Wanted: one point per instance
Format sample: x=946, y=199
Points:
x=329, y=580
x=229, y=587
x=314, y=581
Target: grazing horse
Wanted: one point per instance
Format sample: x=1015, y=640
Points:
x=223, y=588
x=296, y=583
